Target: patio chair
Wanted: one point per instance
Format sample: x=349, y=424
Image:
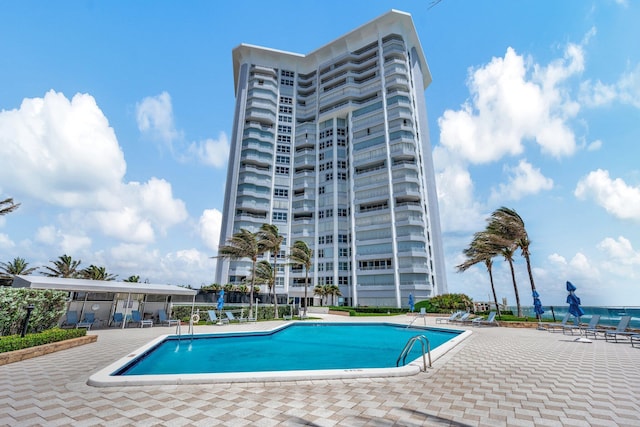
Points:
x=591, y=326
x=449, y=319
x=118, y=318
x=230, y=317
x=463, y=319
x=635, y=339
x=489, y=321
x=620, y=331
x=87, y=322
x=163, y=318
x=136, y=317
x=214, y=318
x=71, y=319
x=555, y=327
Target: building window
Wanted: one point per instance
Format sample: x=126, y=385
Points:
x=286, y=82
x=342, y=164
x=329, y=238
x=284, y=149
x=284, y=119
x=329, y=279
x=342, y=212
x=280, y=216
x=329, y=177
x=375, y=264
x=284, y=129
x=320, y=266
x=281, y=192
x=321, y=240
x=282, y=170
x=343, y=280
x=329, y=266
x=329, y=165
x=320, y=214
x=343, y=251
x=320, y=253
x=285, y=109
x=342, y=176
x=329, y=213
x=343, y=238
x=284, y=138
x=343, y=266
x=283, y=159
x=321, y=190
x=287, y=73
x=286, y=100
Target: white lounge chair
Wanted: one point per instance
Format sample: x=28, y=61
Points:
x=489, y=321
x=449, y=319
x=592, y=326
x=555, y=327
x=620, y=331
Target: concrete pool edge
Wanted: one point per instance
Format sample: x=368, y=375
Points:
x=104, y=377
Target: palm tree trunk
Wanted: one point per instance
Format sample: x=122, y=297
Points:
x=306, y=285
x=253, y=281
x=533, y=286
x=275, y=276
x=493, y=289
x=515, y=288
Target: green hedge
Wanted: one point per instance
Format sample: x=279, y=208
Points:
x=15, y=342
x=48, y=308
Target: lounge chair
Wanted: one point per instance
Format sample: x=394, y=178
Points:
x=214, y=318
x=87, y=322
x=620, y=331
x=591, y=326
x=489, y=321
x=163, y=318
x=449, y=319
x=118, y=318
x=230, y=317
x=71, y=319
x=136, y=317
x=555, y=327
x=463, y=319
x=635, y=339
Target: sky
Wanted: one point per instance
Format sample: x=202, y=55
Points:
x=115, y=120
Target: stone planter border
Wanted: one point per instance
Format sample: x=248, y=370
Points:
x=41, y=350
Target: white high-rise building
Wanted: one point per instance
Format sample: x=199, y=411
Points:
x=333, y=148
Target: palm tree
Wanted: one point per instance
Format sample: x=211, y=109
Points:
x=302, y=255
x=132, y=279
x=334, y=291
x=244, y=244
x=271, y=239
x=321, y=291
x=7, y=205
x=64, y=266
x=515, y=223
x=481, y=249
x=97, y=273
x=17, y=266
x=264, y=273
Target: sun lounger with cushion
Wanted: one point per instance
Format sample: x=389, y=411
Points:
x=449, y=319
x=591, y=326
x=555, y=327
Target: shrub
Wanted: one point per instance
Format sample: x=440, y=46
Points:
x=15, y=342
x=48, y=307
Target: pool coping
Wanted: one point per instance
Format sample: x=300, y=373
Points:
x=103, y=377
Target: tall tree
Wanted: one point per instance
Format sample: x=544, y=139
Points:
x=264, y=273
x=17, y=266
x=271, y=240
x=94, y=272
x=7, y=206
x=244, y=244
x=64, y=266
x=333, y=291
x=302, y=255
x=481, y=249
x=132, y=279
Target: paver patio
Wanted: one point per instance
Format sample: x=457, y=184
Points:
x=497, y=377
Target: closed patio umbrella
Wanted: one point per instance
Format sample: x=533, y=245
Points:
x=411, y=302
x=537, y=307
x=575, y=309
x=220, y=305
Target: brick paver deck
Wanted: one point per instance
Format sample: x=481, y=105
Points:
x=497, y=377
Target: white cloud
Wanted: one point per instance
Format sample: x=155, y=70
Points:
x=626, y=90
x=209, y=227
x=6, y=242
x=154, y=115
x=595, y=145
x=63, y=152
x=524, y=180
x=60, y=151
x=614, y=195
x=620, y=250
x=67, y=242
x=211, y=152
x=509, y=104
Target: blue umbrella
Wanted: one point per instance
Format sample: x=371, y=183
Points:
x=574, y=303
x=411, y=302
x=537, y=305
x=221, y=300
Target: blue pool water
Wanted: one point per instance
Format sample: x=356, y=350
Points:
x=299, y=346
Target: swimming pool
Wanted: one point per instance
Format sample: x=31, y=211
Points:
x=298, y=350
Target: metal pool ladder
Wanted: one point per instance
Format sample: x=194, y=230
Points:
x=424, y=341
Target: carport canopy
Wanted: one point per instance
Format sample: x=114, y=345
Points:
x=85, y=285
